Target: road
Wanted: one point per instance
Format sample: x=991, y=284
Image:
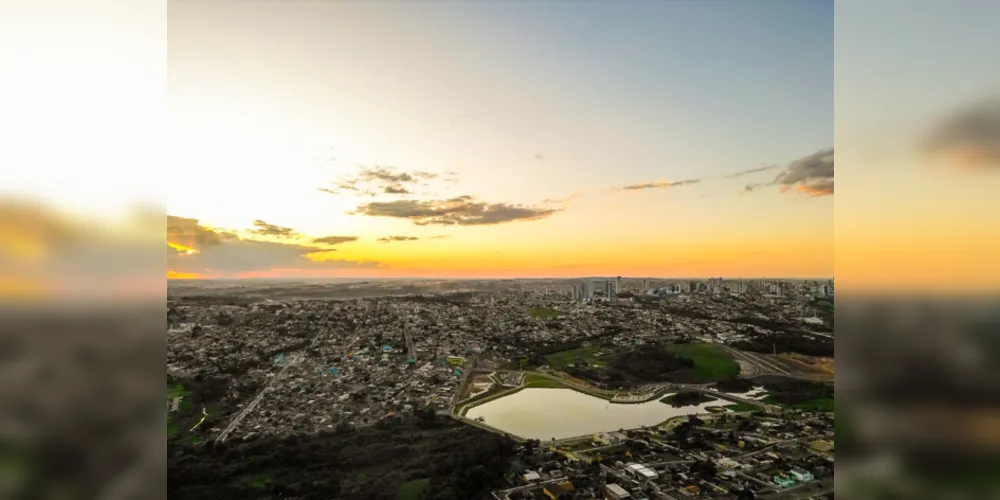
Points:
x=761, y=366
x=410, y=351
x=253, y=404
x=503, y=494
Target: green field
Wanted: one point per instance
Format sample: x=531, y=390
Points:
x=172, y=429
x=532, y=380
x=413, y=489
x=175, y=391
x=544, y=313
x=820, y=404
x=260, y=481
x=710, y=361
x=563, y=359
x=815, y=404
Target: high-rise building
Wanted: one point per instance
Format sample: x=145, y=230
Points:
x=618, y=285
x=608, y=291
x=645, y=286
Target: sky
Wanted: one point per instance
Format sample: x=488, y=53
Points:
x=918, y=124
x=500, y=139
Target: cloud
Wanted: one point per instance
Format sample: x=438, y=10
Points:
x=390, y=239
x=440, y=237
x=566, y=200
x=372, y=181
x=659, y=185
x=752, y=171
x=395, y=189
x=968, y=138
x=335, y=240
x=811, y=175
x=265, y=229
x=230, y=256
x=540, y=156
x=816, y=187
x=756, y=185
x=189, y=233
x=461, y=211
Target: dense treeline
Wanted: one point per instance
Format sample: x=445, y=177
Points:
x=646, y=364
x=734, y=385
x=368, y=463
x=787, y=342
x=688, y=398
x=791, y=391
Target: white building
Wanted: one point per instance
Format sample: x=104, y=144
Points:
x=801, y=475
x=641, y=472
x=614, y=492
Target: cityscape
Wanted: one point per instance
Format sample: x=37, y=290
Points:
x=500, y=250
x=592, y=388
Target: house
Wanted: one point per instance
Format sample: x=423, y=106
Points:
x=641, y=472
x=531, y=476
x=691, y=491
x=614, y=492
x=801, y=475
x=553, y=491
x=784, y=482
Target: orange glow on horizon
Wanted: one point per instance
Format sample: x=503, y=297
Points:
x=174, y=275
x=186, y=250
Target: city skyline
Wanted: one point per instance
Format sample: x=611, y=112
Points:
x=501, y=141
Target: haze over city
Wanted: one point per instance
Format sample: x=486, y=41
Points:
x=501, y=140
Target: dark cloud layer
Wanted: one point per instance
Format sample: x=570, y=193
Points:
x=335, y=240
x=390, y=239
x=241, y=256
x=461, y=211
x=811, y=175
x=265, y=229
x=221, y=253
x=968, y=138
x=190, y=233
x=659, y=185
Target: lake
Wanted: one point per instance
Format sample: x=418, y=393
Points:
x=546, y=413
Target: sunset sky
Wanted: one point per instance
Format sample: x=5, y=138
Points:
x=498, y=139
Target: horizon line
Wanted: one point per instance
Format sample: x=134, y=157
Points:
x=497, y=278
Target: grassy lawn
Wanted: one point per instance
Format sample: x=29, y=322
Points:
x=260, y=481
x=532, y=380
x=563, y=359
x=815, y=404
x=710, y=361
x=413, y=489
x=172, y=429
x=176, y=390
x=544, y=313
x=821, y=404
